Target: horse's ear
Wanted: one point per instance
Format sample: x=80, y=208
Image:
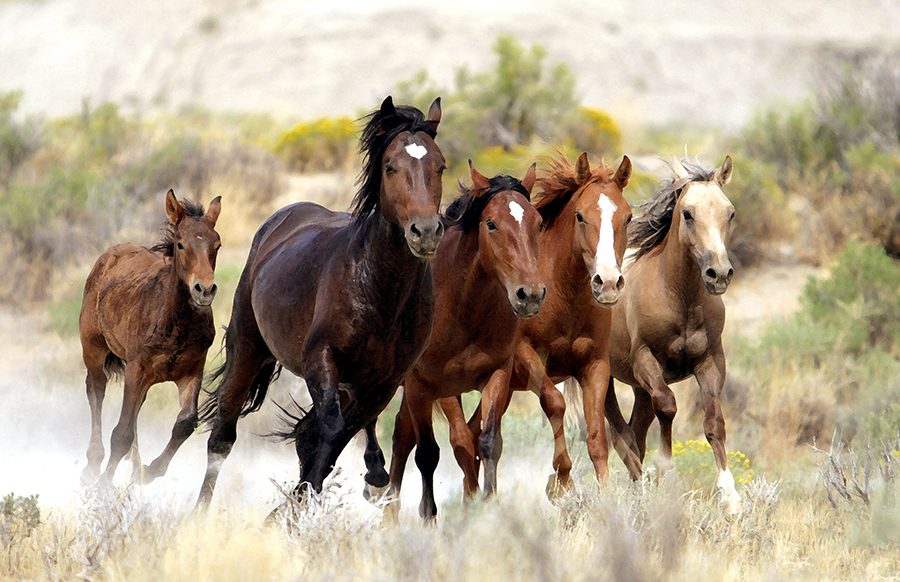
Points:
x=623, y=174
x=434, y=112
x=530, y=177
x=582, y=169
x=215, y=208
x=387, y=107
x=480, y=184
x=723, y=174
x=174, y=211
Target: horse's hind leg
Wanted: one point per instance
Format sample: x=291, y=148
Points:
x=95, y=384
x=185, y=424
x=404, y=441
x=623, y=438
x=642, y=416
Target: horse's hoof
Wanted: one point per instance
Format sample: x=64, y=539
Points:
x=377, y=477
x=557, y=488
x=374, y=495
x=391, y=513
x=89, y=476
x=732, y=505
x=663, y=465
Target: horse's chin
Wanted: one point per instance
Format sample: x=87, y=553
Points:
x=714, y=289
x=201, y=305
x=425, y=255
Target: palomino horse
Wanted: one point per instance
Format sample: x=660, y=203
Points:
x=148, y=311
x=668, y=324
x=582, y=243
x=486, y=279
x=345, y=301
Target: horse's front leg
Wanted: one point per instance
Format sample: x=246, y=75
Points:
x=376, y=477
x=652, y=379
x=529, y=362
x=710, y=374
x=123, y=435
x=463, y=442
x=594, y=381
x=494, y=400
x=185, y=423
x=322, y=379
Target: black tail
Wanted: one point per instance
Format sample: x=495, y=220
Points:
x=255, y=396
x=113, y=366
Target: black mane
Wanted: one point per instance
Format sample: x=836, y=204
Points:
x=379, y=132
x=649, y=230
x=465, y=210
x=166, y=245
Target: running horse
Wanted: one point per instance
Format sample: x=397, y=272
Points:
x=146, y=313
x=342, y=300
x=668, y=324
x=582, y=243
x=486, y=281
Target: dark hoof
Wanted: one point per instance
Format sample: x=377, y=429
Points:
x=377, y=477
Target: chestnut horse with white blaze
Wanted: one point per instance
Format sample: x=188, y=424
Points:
x=342, y=300
x=581, y=246
x=668, y=324
x=147, y=311
x=486, y=281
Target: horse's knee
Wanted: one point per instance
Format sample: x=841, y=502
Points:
x=664, y=404
x=184, y=426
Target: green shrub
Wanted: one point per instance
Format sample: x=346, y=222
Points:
x=321, y=145
x=19, y=516
x=17, y=138
x=696, y=465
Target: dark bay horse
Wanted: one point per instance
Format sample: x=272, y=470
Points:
x=147, y=312
x=668, y=324
x=342, y=300
x=486, y=280
x=582, y=244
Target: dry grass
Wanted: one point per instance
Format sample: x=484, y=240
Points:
x=626, y=531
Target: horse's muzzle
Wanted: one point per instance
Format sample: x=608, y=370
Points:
x=527, y=301
x=423, y=236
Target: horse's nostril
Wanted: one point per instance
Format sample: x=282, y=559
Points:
x=730, y=273
x=543, y=293
x=521, y=294
x=597, y=280
x=415, y=230
x=711, y=273
x=198, y=288
x=213, y=289
x=620, y=282
x=440, y=228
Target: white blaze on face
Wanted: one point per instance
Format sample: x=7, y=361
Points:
x=517, y=211
x=605, y=263
x=416, y=151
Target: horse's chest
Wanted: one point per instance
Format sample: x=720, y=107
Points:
x=687, y=342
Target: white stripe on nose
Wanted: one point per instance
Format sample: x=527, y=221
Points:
x=605, y=258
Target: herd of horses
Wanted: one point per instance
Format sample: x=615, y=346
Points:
x=519, y=284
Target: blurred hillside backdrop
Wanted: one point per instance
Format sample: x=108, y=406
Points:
x=105, y=105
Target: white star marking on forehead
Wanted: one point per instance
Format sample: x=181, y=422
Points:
x=517, y=211
x=416, y=151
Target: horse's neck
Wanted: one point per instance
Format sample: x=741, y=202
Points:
x=475, y=290
x=563, y=267
x=680, y=274
x=389, y=265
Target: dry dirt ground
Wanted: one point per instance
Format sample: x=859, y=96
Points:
x=46, y=421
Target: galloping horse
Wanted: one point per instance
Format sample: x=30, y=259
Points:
x=486, y=279
x=343, y=300
x=668, y=324
x=147, y=311
x=582, y=243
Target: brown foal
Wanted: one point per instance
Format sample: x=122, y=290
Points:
x=149, y=311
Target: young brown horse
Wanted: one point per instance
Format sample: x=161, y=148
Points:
x=487, y=264
x=668, y=325
x=582, y=243
x=345, y=301
x=149, y=311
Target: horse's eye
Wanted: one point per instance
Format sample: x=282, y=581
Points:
x=687, y=215
x=731, y=216
x=579, y=217
x=180, y=246
x=628, y=221
x=441, y=170
x=389, y=169
x=491, y=225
